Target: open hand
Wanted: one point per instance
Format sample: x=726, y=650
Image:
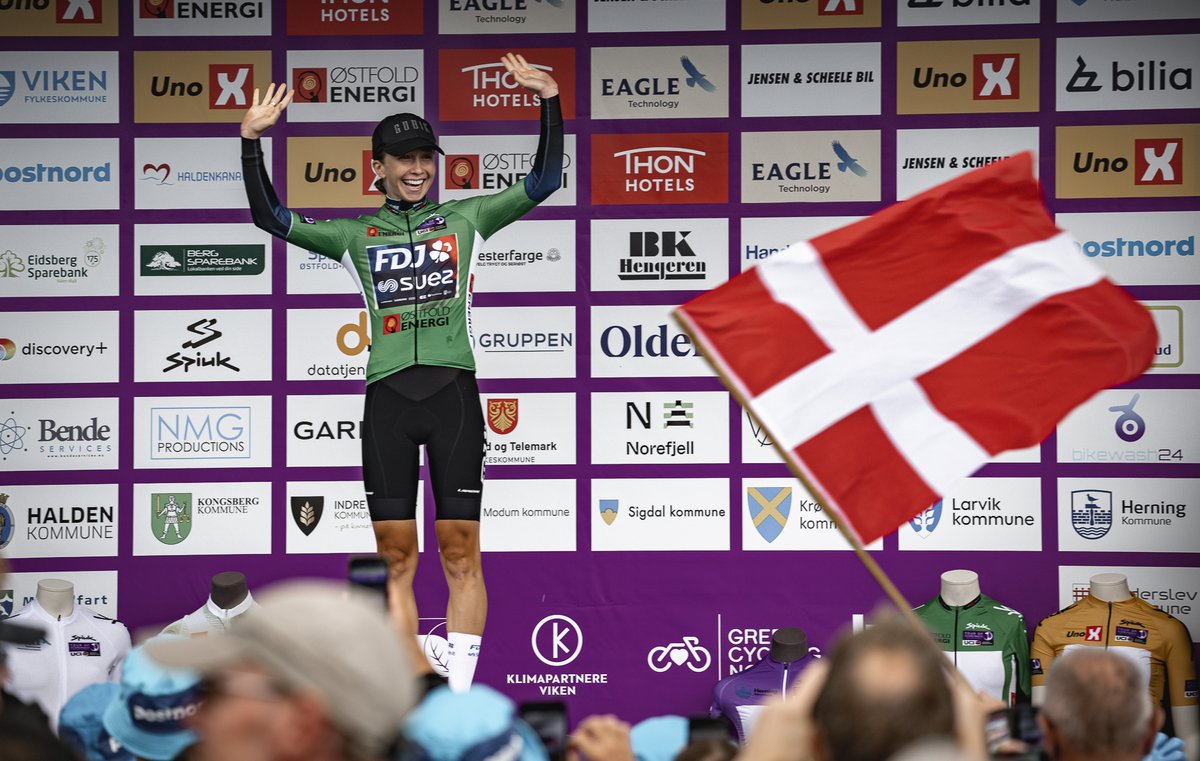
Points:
x=262, y=115
x=535, y=80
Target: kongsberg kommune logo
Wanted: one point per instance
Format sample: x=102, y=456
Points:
x=7, y=522
x=1091, y=512
x=171, y=516
x=502, y=415
x=306, y=512
x=1129, y=426
x=769, y=509
x=926, y=521
x=609, y=508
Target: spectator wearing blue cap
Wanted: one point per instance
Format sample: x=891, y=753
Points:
x=153, y=708
x=81, y=724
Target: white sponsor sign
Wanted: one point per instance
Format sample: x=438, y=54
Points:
x=642, y=342
x=1175, y=321
x=308, y=272
x=660, y=428
x=355, y=86
x=668, y=15
x=327, y=344
x=208, y=18
x=528, y=516
x=980, y=514
x=660, y=514
x=529, y=429
x=58, y=87
x=190, y=172
x=60, y=521
x=528, y=256
x=1173, y=590
x=780, y=514
x=189, y=260
x=756, y=442
x=1132, y=425
x=58, y=347
x=810, y=167
x=660, y=82
x=212, y=518
x=202, y=345
x=200, y=431
x=524, y=342
x=96, y=590
x=659, y=254
x=811, y=80
x=1139, y=248
x=55, y=174
x=1121, y=73
x=929, y=157
x=59, y=260
x=763, y=237
x=324, y=430
x=59, y=434
x=1126, y=10
x=967, y=12
x=332, y=517
x=1128, y=514
x=491, y=163
x=517, y=17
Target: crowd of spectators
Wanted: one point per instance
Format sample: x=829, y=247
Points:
x=349, y=684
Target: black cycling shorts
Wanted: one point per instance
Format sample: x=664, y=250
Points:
x=404, y=411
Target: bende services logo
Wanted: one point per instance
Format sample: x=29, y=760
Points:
x=473, y=85
x=962, y=77
x=52, y=434
x=196, y=86
x=1145, y=160
x=657, y=169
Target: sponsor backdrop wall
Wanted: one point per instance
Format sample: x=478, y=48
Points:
x=155, y=348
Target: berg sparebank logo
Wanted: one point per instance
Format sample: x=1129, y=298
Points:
x=181, y=87
x=1138, y=160
x=473, y=85
x=660, y=168
x=959, y=77
x=66, y=18
x=202, y=17
x=658, y=82
x=364, y=85
x=58, y=88
x=355, y=17
x=476, y=165
x=811, y=14
x=1120, y=73
x=55, y=174
x=810, y=166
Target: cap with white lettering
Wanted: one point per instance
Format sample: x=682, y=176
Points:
x=400, y=133
x=149, y=715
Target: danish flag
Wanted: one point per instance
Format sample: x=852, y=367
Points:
x=892, y=357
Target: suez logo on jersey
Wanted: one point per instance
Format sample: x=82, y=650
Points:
x=976, y=76
x=1151, y=160
x=53, y=434
x=810, y=166
x=411, y=273
x=968, y=12
x=58, y=88
x=659, y=254
x=196, y=86
x=811, y=80
x=656, y=82
x=195, y=17
x=39, y=18
x=810, y=14
x=66, y=520
x=355, y=17
x=473, y=85
x=656, y=169
x=1107, y=73
x=174, y=432
x=354, y=86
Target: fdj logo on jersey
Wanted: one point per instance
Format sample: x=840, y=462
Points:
x=422, y=272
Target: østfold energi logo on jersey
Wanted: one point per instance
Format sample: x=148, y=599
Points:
x=414, y=274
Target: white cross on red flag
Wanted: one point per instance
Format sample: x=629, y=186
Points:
x=893, y=357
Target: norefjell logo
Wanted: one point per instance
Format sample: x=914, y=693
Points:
x=356, y=84
x=55, y=86
x=993, y=77
x=200, y=9
x=1156, y=161
x=203, y=259
x=662, y=255
x=1122, y=76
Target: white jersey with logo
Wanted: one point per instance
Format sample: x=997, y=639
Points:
x=209, y=619
x=76, y=650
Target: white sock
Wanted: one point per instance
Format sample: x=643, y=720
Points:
x=463, y=651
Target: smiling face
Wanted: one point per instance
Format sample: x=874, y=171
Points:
x=408, y=177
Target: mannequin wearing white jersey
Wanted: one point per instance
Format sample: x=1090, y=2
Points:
x=228, y=598
x=1114, y=587
x=80, y=647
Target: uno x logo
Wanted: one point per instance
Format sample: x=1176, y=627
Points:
x=997, y=77
x=77, y=12
x=840, y=8
x=229, y=85
x=1158, y=161
x=1094, y=634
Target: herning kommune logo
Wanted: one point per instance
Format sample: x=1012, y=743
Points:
x=171, y=517
x=1091, y=512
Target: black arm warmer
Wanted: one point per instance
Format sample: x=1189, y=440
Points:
x=268, y=213
x=546, y=175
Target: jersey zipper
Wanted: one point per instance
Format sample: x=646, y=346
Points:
x=412, y=258
x=62, y=646
x=1108, y=627
x=957, y=637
